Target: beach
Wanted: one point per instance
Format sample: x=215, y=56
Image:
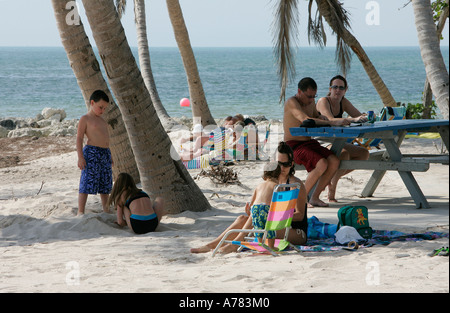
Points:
x=45, y=247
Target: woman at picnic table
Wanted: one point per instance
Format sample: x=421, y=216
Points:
x=298, y=232
x=333, y=106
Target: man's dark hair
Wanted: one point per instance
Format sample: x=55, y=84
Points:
x=99, y=95
x=306, y=83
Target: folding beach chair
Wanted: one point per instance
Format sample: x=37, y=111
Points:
x=262, y=145
x=216, y=155
x=203, y=160
x=386, y=114
x=198, y=162
x=246, y=151
x=238, y=153
x=282, y=207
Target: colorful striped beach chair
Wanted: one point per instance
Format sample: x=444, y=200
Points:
x=262, y=155
x=198, y=162
x=203, y=160
x=216, y=144
x=254, y=151
x=218, y=154
x=282, y=207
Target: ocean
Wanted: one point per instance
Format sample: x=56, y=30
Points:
x=235, y=80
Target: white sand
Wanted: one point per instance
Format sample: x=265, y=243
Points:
x=44, y=247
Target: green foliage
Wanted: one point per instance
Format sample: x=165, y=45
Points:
x=437, y=7
x=415, y=111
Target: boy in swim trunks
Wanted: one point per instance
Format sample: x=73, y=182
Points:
x=320, y=162
x=94, y=160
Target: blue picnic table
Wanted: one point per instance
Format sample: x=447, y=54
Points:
x=392, y=134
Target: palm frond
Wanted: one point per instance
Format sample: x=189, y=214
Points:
x=343, y=55
x=339, y=22
x=121, y=5
x=316, y=31
x=322, y=30
x=340, y=16
x=285, y=33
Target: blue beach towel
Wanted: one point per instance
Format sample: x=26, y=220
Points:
x=320, y=230
x=321, y=237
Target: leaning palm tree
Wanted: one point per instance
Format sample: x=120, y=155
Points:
x=160, y=174
x=144, y=59
x=199, y=105
x=431, y=54
x=427, y=93
x=286, y=22
x=89, y=78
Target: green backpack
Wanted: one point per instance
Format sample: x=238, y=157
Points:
x=357, y=217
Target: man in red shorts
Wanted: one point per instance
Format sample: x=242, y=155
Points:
x=320, y=162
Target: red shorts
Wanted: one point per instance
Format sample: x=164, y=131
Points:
x=308, y=153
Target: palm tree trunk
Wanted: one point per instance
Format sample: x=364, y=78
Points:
x=89, y=78
x=431, y=54
x=384, y=93
x=199, y=105
x=427, y=93
x=427, y=100
x=160, y=174
x=145, y=64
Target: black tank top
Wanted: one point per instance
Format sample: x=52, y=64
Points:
x=140, y=194
x=303, y=224
x=341, y=112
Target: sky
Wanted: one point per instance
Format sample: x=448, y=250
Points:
x=216, y=23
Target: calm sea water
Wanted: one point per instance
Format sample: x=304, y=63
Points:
x=236, y=80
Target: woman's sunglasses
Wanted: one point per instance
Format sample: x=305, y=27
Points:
x=285, y=164
x=336, y=87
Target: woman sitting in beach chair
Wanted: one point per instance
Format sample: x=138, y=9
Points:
x=201, y=144
x=284, y=173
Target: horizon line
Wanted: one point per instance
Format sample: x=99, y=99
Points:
x=60, y=46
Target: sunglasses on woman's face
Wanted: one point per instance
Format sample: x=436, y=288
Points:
x=336, y=87
x=285, y=164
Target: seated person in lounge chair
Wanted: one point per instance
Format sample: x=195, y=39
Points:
x=284, y=173
x=200, y=144
x=231, y=120
x=237, y=123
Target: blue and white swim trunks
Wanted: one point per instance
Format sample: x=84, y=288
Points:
x=259, y=218
x=96, y=177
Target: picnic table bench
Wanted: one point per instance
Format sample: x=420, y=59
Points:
x=392, y=133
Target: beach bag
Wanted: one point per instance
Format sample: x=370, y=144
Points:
x=357, y=217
